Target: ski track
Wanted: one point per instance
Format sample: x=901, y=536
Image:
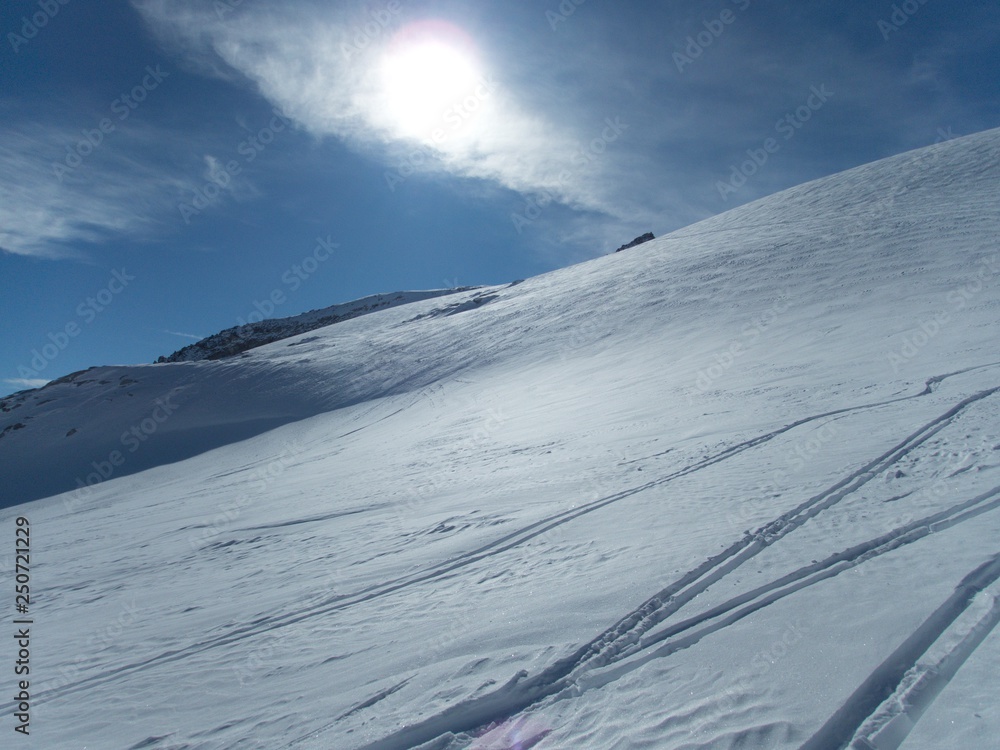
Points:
x=563, y=680
x=619, y=641
x=922, y=688
x=674, y=596
x=838, y=731
x=671, y=599
x=805, y=577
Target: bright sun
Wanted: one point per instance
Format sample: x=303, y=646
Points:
x=428, y=72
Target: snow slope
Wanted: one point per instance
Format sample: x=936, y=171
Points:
x=114, y=421
x=736, y=488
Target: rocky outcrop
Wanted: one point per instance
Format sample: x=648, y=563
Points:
x=637, y=241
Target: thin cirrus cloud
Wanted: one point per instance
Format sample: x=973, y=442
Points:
x=43, y=216
x=191, y=336
x=51, y=210
x=25, y=383
x=321, y=68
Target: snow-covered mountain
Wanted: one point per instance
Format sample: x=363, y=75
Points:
x=251, y=334
x=735, y=488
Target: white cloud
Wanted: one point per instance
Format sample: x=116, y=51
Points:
x=323, y=68
x=48, y=209
x=185, y=335
x=25, y=383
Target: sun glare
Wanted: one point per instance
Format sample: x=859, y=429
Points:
x=430, y=75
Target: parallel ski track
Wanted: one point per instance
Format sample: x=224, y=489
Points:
x=626, y=636
x=572, y=676
x=839, y=730
x=694, y=581
x=806, y=576
x=673, y=597
x=923, y=684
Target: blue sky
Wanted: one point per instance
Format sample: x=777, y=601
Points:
x=167, y=165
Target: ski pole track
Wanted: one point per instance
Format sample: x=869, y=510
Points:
x=710, y=568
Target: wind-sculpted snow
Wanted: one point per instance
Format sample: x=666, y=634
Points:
x=736, y=488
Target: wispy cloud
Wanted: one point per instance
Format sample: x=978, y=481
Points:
x=25, y=383
x=576, y=115
x=52, y=211
x=324, y=67
x=184, y=335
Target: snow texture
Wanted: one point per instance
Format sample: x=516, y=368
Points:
x=737, y=490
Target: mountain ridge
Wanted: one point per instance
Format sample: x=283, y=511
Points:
x=250, y=334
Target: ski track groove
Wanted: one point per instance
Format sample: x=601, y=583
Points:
x=840, y=728
x=558, y=681
x=519, y=537
x=605, y=649
x=813, y=573
x=672, y=598
x=924, y=689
